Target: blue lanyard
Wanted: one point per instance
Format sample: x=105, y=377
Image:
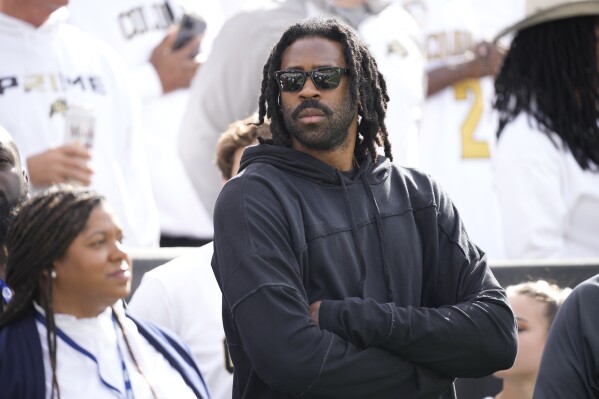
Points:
x=69, y=341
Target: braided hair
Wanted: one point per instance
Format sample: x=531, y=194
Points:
x=42, y=230
x=550, y=295
x=367, y=85
x=550, y=72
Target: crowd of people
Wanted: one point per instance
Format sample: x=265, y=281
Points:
x=345, y=170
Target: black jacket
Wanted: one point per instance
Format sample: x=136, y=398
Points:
x=408, y=300
x=570, y=364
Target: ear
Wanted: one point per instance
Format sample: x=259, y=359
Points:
x=49, y=273
x=45, y=274
x=56, y=265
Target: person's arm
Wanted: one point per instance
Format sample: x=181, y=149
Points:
x=63, y=164
x=486, y=60
x=256, y=265
x=151, y=302
x=466, y=329
x=175, y=68
x=166, y=70
x=570, y=362
x=136, y=208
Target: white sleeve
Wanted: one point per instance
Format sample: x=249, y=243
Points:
x=141, y=210
x=145, y=82
x=151, y=302
x=528, y=179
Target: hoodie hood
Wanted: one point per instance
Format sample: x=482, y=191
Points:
x=301, y=164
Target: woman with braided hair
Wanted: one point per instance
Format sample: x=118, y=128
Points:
x=65, y=333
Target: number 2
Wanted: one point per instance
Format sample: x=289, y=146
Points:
x=471, y=148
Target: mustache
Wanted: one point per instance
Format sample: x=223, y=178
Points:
x=311, y=104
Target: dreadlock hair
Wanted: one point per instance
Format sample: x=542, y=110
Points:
x=550, y=72
x=367, y=85
x=42, y=230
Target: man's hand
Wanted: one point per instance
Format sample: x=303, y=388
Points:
x=175, y=68
x=487, y=60
x=314, y=308
x=63, y=164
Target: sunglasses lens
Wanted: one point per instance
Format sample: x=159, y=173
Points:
x=326, y=78
x=291, y=81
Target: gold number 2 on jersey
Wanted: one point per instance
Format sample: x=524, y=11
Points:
x=471, y=148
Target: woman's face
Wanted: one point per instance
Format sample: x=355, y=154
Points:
x=95, y=271
x=533, y=328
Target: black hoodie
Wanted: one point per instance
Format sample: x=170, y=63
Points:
x=408, y=301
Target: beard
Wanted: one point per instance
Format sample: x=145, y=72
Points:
x=327, y=135
x=7, y=214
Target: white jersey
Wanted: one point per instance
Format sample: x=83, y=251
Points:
x=183, y=296
x=134, y=28
x=47, y=70
x=549, y=205
x=458, y=124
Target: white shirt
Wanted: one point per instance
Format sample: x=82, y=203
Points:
x=458, y=123
x=134, y=28
x=549, y=204
x=45, y=69
x=79, y=376
x=183, y=296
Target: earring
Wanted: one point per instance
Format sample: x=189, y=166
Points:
x=53, y=274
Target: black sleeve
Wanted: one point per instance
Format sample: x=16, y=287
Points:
x=257, y=268
x=465, y=328
x=570, y=363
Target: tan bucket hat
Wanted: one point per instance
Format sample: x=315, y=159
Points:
x=539, y=11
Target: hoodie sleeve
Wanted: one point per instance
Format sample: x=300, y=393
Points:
x=256, y=264
x=464, y=328
x=570, y=363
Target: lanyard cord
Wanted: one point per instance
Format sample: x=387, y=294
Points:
x=118, y=322
x=69, y=341
x=126, y=378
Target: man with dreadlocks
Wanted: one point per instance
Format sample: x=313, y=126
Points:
x=344, y=276
x=14, y=187
x=547, y=160
x=227, y=88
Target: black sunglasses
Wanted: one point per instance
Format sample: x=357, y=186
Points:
x=324, y=78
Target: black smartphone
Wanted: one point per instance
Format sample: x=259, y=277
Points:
x=189, y=26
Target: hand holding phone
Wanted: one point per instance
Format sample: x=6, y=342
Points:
x=190, y=26
x=174, y=57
